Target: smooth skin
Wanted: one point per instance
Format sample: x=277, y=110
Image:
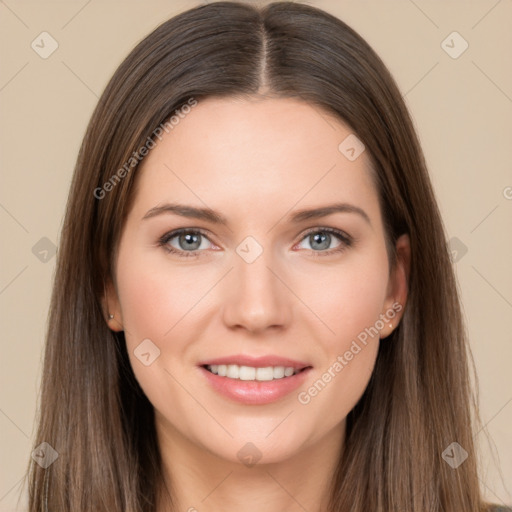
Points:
x=254, y=161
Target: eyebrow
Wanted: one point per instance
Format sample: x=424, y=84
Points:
x=214, y=217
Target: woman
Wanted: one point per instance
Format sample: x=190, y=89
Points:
x=254, y=305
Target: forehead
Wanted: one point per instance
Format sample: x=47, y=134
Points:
x=254, y=152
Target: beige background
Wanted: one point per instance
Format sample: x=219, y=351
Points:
x=462, y=109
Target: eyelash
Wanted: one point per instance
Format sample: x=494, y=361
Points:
x=346, y=241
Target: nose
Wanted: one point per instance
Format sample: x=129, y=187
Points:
x=255, y=297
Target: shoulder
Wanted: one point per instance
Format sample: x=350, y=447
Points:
x=499, y=508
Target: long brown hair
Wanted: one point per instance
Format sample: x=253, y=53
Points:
x=92, y=411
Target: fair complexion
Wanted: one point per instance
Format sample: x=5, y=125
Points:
x=256, y=162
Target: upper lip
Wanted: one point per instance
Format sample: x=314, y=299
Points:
x=256, y=362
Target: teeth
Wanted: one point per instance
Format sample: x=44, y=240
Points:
x=233, y=371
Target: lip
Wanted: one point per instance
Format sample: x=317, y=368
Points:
x=257, y=362
x=255, y=392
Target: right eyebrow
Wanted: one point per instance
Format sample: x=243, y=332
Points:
x=187, y=211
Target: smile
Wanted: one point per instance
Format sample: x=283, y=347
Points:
x=251, y=373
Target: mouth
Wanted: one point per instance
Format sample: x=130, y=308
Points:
x=254, y=381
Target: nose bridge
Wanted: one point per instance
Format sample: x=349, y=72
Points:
x=256, y=298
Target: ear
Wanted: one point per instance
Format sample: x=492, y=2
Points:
x=112, y=307
x=397, y=287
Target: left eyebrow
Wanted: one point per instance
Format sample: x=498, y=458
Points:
x=323, y=211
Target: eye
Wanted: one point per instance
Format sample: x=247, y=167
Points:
x=182, y=241
x=320, y=239
x=192, y=242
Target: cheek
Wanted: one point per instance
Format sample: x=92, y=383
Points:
x=350, y=302
x=347, y=298
x=157, y=303
x=362, y=296
x=337, y=386
x=155, y=297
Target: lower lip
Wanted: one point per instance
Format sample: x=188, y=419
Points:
x=255, y=392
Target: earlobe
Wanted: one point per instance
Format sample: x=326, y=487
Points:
x=398, y=285
x=111, y=307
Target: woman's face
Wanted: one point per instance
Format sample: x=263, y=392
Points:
x=262, y=283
